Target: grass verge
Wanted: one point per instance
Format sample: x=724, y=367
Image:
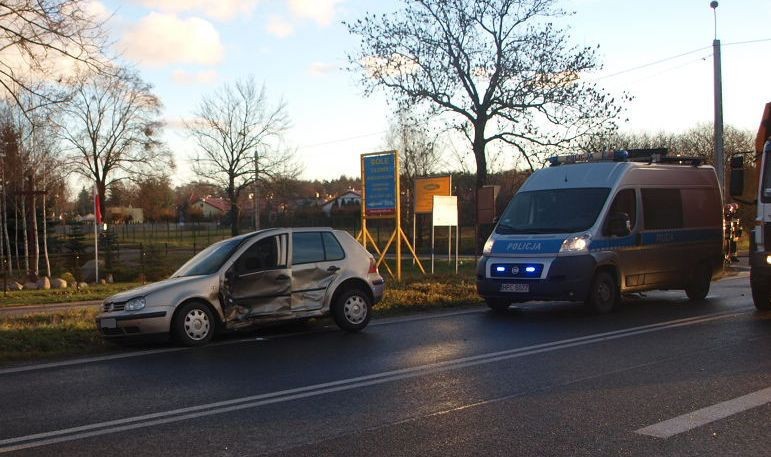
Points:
x=42, y=297
x=73, y=333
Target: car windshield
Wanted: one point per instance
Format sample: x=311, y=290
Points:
x=552, y=211
x=210, y=260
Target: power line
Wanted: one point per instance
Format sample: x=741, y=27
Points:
x=666, y=59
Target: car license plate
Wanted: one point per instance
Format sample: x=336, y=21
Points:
x=107, y=323
x=519, y=288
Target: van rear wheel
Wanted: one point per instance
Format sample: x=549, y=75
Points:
x=698, y=289
x=603, y=294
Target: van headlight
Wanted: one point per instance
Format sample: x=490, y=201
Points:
x=576, y=244
x=135, y=304
x=488, y=249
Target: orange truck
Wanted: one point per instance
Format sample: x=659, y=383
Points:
x=760, y=192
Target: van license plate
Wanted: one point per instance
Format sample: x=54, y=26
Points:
x=520, y=288
x=107, y=323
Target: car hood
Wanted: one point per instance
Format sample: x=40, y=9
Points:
x=148, y=289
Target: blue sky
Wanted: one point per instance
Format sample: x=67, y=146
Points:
x=187, y=48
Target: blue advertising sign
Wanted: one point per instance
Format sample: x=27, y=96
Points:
x=379, y=185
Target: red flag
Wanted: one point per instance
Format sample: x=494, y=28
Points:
x=97, y=207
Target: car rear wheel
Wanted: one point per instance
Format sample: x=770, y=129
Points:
x=352, y=310
x=698, y=289
x=604, y=294
x=193, y=325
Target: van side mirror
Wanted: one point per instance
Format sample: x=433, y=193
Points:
x=737, y=176
x=619, y=224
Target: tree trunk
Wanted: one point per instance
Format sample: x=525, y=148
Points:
x=35, y=238
x=45, y=238
x=25, y=235
x=233, y=197
x=5, y=230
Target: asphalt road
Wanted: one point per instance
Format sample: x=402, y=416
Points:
x=661, y=376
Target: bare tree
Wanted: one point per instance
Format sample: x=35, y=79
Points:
x=110, y=130
x=498, y=68
x=238, y=135
x=47, y=40
x=418, y=149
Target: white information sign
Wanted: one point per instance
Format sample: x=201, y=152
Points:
x=445, y=211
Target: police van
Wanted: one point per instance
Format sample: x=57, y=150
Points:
x=592, y=227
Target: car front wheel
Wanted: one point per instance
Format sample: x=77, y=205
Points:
x=193, y=325
x=352, y=310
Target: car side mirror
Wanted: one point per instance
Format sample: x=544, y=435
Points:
x=737, y=176
x=619, y=224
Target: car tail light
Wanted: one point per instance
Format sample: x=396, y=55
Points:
x=373, y=266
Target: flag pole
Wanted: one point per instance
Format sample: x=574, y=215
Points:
x=96, y=234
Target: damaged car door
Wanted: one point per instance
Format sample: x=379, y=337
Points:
x=259, y=282
x=316, y=260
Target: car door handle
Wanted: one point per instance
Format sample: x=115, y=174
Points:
x=282, y=277
x=333, y=269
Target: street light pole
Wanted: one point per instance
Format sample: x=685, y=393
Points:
x=256, y=190
x=719, y=153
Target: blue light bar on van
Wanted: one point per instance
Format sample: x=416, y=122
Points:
x=516, y=270
x=616, y=156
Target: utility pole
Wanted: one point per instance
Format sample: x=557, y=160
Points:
x=719, y=153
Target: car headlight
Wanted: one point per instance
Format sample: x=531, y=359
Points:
x=135, y=304
x=576, y=244
x=488, y=249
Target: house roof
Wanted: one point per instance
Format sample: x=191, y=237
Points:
x=350, y=193
x=219, y=204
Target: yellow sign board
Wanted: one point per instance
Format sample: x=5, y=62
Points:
x=427, y=188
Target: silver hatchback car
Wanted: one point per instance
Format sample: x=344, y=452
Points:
x=264, y=276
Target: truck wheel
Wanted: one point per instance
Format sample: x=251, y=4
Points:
x=698, y=289
x=761, y=296
x=352, y=310
x=193, y=325
x=603, y=294
x=499, y=305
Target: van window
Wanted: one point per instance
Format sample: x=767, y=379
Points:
x=662, y=209
x=701, y=207
x=552, y=211
x=625, y=202
x=765, y=194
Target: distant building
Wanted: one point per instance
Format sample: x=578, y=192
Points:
x=125, y=215
x=212, y=207
x=350, y=198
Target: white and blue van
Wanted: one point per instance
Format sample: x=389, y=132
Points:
x=592, y=227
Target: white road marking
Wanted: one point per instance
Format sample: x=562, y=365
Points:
x=67, y=363
x=193, y=412
x=704, y=416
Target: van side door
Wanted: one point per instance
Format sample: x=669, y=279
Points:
x=259, y=281
x=625, y=247
x=661, y=236
x=317, y=258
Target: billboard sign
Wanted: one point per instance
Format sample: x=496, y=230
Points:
x=379, y=172
x=445, y=211
x=426, y=188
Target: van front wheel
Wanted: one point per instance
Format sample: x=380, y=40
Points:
x=603, y=294
x=499, y=305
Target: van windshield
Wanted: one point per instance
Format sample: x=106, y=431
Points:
x=552, y=211
x=765, y=193
x=210, y=260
